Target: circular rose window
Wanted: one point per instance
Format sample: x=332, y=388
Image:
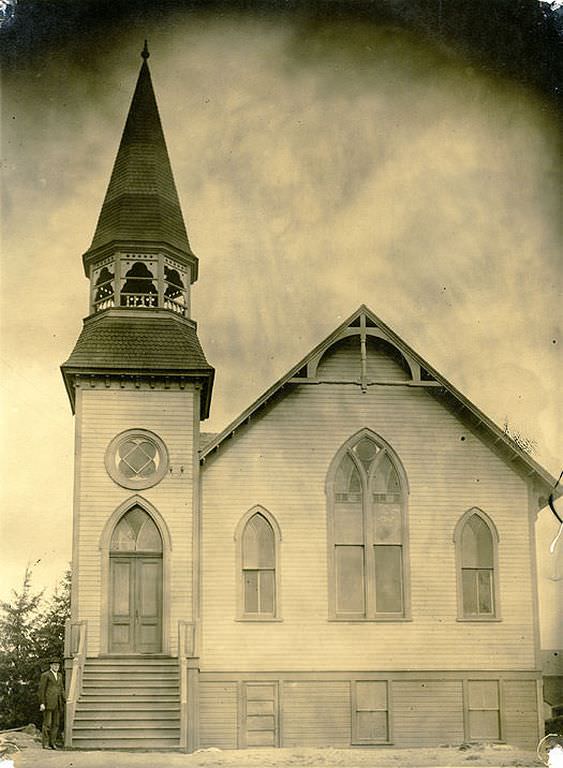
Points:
x=136, y=459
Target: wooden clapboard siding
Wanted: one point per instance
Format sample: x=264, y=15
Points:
x=316, y=714
x=384, y=362
x=105, y=413
x=342, y=360
x=281, y=460
x=424, y=709
x=520, y=718
x=218, y=715
x=427, y=713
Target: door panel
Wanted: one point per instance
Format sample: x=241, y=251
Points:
x=121, y=603
x=135, y=604
x=261, y=715
x=148, y=605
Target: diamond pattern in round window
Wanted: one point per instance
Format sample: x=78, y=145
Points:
x=136, y=459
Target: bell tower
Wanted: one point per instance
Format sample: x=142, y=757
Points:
x=139, y=384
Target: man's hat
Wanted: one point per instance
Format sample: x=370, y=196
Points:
x=53, y=660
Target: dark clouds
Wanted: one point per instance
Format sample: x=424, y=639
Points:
x=519, y=39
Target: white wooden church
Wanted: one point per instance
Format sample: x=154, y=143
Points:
x=350, y=562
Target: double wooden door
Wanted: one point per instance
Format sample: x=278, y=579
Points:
x=135, y=603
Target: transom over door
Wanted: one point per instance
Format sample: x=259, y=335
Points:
x=135, y=603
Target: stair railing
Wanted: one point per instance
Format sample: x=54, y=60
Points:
x=186, y=635
x=75, y=648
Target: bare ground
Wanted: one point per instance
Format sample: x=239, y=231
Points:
x=26, y=751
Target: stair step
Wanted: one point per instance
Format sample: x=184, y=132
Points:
x=127, y=723
x=118, y=682
x=111, y=705
x=145, y=690
x=133, y=744
x=128, y=661
x=128, y=703
x=138, y=730
x=114, y=713
x=139, y=667
x=127, y=678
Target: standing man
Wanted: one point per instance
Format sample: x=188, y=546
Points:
x=51, y=702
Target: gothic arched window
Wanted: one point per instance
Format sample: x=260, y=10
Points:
x=136, y=532
x=367, y=531
x=258, y=544
x=476, y=550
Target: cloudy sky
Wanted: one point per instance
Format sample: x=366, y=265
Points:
x=323, y=161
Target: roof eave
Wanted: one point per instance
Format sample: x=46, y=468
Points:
x=93, y=255
x=204, y=375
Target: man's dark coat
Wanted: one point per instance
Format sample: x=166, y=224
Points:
x=51, y=691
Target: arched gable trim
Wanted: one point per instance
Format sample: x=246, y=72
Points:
x=118, y=513
x=366, y=432
x=258, y=509
x=484, y=517
x=104, y=545
x=315, y=361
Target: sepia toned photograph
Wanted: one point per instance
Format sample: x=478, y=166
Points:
x=281, y=383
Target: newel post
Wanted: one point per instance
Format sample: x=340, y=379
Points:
x=189, y=686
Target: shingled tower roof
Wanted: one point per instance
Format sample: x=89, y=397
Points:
x=141, y=205
x=139, y=331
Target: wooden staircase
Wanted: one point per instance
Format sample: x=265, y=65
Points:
x=128, y=702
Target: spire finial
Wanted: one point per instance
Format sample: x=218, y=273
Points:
x=145, y=52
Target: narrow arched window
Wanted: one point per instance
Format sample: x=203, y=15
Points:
x=367, y=531
x=258, y=556
x=476, y=543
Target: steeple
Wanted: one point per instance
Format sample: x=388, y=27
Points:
x=140, y=266
x=141, y=206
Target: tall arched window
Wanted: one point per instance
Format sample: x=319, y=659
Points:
x=258, y=537
x=367, y=531
x=476, y=550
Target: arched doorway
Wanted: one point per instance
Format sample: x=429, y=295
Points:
x=135, y=584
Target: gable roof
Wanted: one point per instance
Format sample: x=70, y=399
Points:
x=364, y=321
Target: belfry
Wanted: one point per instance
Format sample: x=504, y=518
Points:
x=350, y=562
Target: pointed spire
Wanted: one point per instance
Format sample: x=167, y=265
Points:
x=141, y=205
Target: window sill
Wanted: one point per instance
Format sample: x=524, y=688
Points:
x=479, y=619
x=370, y=620
x=372, y=743
x=259, y=620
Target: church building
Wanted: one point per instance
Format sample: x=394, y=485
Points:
x=351, y=562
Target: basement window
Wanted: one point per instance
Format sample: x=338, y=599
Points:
x=483, y=715
x=370, y=712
